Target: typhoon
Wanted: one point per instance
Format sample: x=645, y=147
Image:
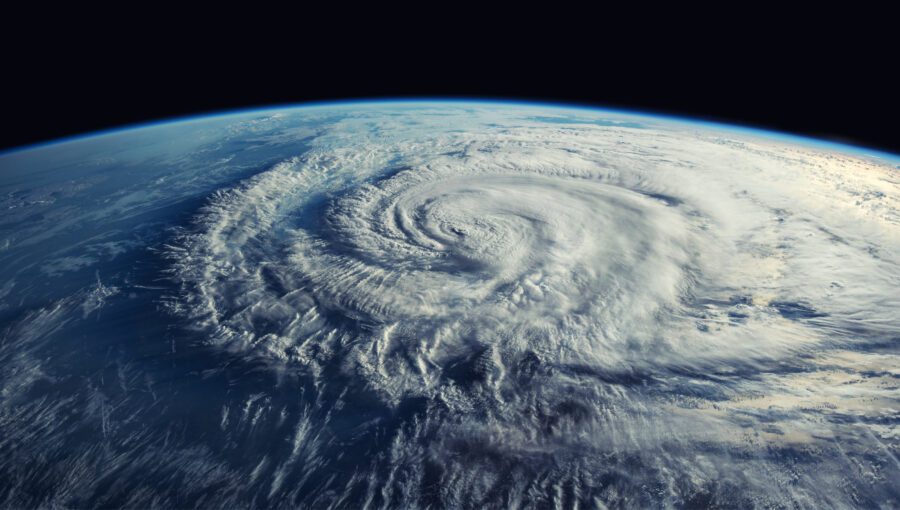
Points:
x=449, y=305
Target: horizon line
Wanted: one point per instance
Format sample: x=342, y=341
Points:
x=572, y=105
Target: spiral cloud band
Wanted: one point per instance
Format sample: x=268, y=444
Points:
x=449, y=305
x=596, y=310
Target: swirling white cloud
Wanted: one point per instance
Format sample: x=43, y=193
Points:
x=573, y=301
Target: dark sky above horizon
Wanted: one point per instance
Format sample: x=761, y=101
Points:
x=68, y=80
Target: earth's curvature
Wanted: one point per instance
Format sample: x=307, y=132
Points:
x=448, y=305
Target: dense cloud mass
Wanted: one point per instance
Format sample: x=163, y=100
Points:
x=475, y=306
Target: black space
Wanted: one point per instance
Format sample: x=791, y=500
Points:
x=64, y=79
